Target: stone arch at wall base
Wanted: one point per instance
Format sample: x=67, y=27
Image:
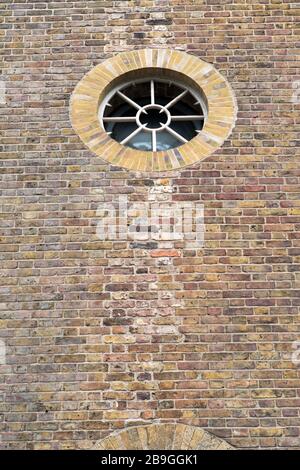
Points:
x=162, y=437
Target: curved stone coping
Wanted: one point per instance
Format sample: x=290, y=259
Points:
x=162, y=437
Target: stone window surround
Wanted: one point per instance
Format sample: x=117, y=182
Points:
x=192, y=71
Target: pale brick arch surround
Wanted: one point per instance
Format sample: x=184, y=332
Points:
x=163, y=437
x=95, y=85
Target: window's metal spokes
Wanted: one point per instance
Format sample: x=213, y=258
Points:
x=187, y=118
x=147, y=99
x=152, y=92
x=135, y=132
x=177, y=98
x=119, y=119
x=175, y=134
x=154, y=146
x=130, y=101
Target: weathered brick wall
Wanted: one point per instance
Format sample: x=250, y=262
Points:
x=105, y=335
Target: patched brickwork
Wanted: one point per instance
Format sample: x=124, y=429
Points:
x=102, y=335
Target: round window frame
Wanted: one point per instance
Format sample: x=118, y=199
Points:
x=184, y=68
x=196, y=94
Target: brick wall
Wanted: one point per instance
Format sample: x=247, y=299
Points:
x=102, y=335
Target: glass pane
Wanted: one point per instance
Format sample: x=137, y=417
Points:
x=121, y=130
x=184, y=128
x=166, y=141
x=141, y=141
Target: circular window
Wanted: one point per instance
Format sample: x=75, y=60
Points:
x=152, y=114
x=153, y=110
